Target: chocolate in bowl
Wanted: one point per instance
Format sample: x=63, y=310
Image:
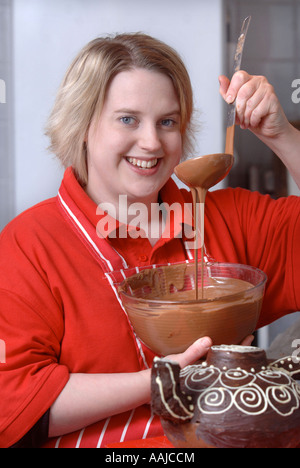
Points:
x=161, y=305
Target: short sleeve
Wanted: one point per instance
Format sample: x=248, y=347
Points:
x=251, y=228
x=31, y=330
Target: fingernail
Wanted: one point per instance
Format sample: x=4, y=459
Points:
x=229, y=99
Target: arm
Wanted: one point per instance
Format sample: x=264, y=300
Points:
x=259, y=110
x=287, y=148
x=88, y=398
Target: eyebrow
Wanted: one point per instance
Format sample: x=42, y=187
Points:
x=136, y=112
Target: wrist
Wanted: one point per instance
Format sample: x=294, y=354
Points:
x=286, y=146
x=283, y=142
x=145, y=376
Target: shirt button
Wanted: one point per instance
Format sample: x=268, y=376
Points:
x=143, y=258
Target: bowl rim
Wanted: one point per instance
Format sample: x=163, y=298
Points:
x=200, y=301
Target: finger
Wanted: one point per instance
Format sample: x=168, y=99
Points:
x=249, y=96
x=238, y=80
x=257, y=114
x=196, y=351
x=258, y=105
x=247, y=341
x=224, y=85
x=248, y=107
x=266, y=108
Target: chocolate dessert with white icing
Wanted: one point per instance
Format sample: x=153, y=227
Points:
x=233, y=399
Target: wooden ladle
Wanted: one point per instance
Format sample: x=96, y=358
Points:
x=207, y=171
x=202, y=173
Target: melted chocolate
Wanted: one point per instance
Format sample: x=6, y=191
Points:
x=200, y=174
x=166, y=317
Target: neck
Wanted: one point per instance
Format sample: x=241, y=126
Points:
x=147, y=216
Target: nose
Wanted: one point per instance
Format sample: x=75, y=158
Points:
x=149, y=138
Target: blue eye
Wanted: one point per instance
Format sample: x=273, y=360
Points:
x=168, y=123
x=127, y=120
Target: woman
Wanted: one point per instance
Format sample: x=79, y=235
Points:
x=120, y=124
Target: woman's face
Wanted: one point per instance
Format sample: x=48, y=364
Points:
x=136, y=143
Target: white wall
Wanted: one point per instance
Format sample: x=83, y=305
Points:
x=48, y=34
x=6, y=118
x=292, y=186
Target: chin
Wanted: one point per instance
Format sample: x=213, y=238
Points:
x=139, y=192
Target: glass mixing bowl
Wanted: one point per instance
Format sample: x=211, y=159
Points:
x=162, y=307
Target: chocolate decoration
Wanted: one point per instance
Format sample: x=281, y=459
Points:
x=233, y=399
x=171, y=403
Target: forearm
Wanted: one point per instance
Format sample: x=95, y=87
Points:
x=88, y=398
x=287, y=148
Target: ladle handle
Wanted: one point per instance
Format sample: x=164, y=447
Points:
x=236, y=67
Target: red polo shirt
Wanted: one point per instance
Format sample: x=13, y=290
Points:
x=59, y=312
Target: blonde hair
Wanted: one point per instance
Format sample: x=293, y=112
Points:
x=85, y=85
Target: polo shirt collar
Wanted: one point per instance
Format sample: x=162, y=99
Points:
x=170, y=195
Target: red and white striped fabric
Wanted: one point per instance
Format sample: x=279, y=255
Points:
x=136, y=424
x=139, y=423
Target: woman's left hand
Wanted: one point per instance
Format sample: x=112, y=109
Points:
x=258, y=109
x=257, y=106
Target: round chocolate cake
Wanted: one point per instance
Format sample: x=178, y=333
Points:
x=233, y=399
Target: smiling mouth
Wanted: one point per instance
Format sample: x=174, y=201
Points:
x=142, y=163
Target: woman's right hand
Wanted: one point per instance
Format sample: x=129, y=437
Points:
x=196, y=351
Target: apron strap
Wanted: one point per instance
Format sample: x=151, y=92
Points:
x=105, y=254
x=107, y=257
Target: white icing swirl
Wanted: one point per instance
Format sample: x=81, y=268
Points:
x=284, y=400
x=215, y=401
x=249, y=392
x=250, y=400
